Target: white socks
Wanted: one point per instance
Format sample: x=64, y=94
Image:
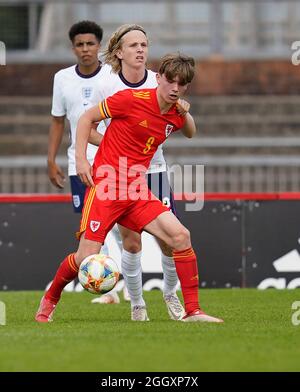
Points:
x=170, y=274
x=132, y=273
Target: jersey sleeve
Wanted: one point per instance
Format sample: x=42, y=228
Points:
x=181, y=121
x=58, y=102
x=178, y=123
x=117, y=105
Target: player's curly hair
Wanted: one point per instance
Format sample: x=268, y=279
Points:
x=115, y=43
x=86, y=27
x=174, y=65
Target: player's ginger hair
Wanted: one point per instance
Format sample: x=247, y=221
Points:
x=176, y=64
x=115, y=43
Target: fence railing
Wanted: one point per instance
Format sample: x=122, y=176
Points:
x=221, y=173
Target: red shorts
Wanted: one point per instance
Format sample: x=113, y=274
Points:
x=99, y=216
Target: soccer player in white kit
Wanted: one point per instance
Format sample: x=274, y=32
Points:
x=127, y=53
x=75, y=90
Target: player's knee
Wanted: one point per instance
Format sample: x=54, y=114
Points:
x=132, y=245
x=182, y=239
x=166, y=250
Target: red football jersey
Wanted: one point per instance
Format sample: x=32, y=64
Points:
x=134, y=134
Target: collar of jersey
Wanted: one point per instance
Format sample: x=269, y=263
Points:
x=133, y=85
x=89, y=75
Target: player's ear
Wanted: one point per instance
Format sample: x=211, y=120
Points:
x=158, y=77
x=119, y=54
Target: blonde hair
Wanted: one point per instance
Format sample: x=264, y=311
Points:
x=115, y=43
x=176, y=64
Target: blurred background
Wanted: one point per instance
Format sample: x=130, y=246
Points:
x=244, y=98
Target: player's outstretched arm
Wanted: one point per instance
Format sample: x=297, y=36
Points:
x=56, y=131
x=189, y=129
x=84, y=126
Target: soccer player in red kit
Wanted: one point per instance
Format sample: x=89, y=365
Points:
x=141, y=121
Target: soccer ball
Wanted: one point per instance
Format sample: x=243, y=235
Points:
x=98, y=273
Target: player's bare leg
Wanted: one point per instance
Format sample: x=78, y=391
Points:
x=66, y=272
x=168, y=228
x=86, y=248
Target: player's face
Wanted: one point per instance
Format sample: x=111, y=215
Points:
x=86, y=48
x=134, y=49
x=170, y=90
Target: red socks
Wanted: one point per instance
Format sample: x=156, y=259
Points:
x=66, y=272
x=187, y=271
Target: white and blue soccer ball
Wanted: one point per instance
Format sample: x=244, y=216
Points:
x=98, y=273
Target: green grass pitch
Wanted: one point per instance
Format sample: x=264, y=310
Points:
x=257, y=335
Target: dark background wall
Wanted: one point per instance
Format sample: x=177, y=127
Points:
x=237, y=242
x=213, y=77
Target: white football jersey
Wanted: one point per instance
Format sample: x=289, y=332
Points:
x=73, y=94
x=111, y=84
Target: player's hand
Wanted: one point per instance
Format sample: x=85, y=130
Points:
x=85, y=172
x=56, y=175
x=182, y=107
